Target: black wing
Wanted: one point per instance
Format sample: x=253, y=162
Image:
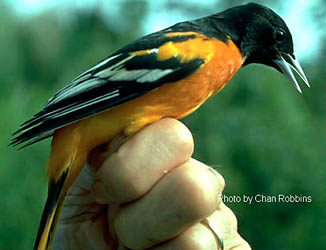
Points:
x=122, y=76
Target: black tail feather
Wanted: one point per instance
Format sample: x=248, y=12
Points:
x=52, y=205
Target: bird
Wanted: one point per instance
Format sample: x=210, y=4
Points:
x=168, y=73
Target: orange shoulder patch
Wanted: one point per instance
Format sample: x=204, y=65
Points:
x=199, y=47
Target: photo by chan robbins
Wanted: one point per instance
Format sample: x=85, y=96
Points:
x=147, y=144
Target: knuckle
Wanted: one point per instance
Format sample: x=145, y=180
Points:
x=124, y=187
x=232, y=218
x=180, y=134
x=219, y=178
x=196, y=238
x=200, y=188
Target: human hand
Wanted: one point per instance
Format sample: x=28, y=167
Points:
x=149, y=193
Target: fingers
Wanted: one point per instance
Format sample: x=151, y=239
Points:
x=167, y=194
x=140, y=162
x=179, y=200
x=197, y=237
x=223, y=222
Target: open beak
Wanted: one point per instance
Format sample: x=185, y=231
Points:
x=285, y=63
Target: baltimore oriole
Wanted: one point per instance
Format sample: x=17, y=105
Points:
x=169, y=73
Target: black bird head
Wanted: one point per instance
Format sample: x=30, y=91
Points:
x=263, y=37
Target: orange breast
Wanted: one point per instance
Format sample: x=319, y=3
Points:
x=176, y=99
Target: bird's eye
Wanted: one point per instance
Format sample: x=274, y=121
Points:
x=279, y=35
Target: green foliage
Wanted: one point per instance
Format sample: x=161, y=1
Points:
x=262, y=135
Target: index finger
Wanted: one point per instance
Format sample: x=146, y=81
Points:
x=142, y=160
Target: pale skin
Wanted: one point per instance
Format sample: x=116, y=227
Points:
x=148, y=193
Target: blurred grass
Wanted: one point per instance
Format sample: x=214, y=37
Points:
x=262, y=135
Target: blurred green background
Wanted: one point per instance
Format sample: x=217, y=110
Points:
x=259, y=132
